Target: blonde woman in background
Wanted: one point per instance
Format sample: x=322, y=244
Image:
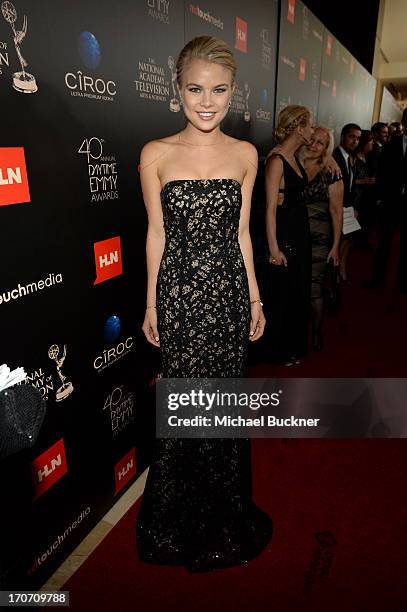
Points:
x=288, y=237
x=324, y=200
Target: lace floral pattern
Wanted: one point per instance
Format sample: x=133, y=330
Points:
x=316, y=196
x=202, y=291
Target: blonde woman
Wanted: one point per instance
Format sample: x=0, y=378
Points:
x=203, y=307
x=324, y=200
x=288, y=237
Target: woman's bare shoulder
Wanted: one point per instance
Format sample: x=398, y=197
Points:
x=246, y=149
x=243, y=145
x=274, y=157
x=155, y=149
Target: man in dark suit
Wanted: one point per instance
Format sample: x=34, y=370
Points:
x=344, y=156
x=392, y=192
x=380, y=133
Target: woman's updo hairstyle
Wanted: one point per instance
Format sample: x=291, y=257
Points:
x=209, y=49
x=289, y=119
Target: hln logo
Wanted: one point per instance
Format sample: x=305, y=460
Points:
x=291, y=11
x=48, y=468
x=13, y=176
x=108, y=259
x=122, y=473
x=47, y=471
x=125, y=469
x=241, y=35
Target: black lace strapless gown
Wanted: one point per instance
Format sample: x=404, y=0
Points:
x=197, y=508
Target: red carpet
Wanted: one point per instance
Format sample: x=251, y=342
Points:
x=351, y=492
x=339, y=506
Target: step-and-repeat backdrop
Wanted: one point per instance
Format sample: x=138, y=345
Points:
x=316, y=70
x=83, y=85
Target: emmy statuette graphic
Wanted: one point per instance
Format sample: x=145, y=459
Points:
x=23, y=81
x=174, y=102
x=66, y=387
x=247, y=94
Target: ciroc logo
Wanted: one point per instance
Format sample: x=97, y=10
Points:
x=261, y=113
x=86, y=86
x=110, y=356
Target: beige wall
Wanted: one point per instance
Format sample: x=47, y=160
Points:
x=390, y=59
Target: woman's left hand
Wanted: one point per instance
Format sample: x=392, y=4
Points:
x=334, y=255
x=257, y=322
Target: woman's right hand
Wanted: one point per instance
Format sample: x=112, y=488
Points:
x=277, y=258
x=150, y=327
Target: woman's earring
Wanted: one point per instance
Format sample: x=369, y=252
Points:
x=230, y=103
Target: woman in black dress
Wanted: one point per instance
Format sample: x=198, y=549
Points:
x=288, y=237
x=203, y=306
x=365, y=193
x=324, y=200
